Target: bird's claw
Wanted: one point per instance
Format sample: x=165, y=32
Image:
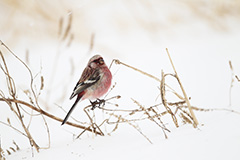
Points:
x=97, y=103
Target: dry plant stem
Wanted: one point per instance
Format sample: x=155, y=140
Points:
x=9, y=125
x=66, y=34
x=138, y=129
x=140, y=119
x=11, y=83
x=93, y=124
x=47, y=114
x=84, y=123
x=237, y=78
x=164, y=101
x=60, y=26
x=231, y=85
x=32, y=142
x=147, y=74
x=68, y=28
x=184, y=93
x=151, y=118
x=120, y=118
x=91, y=120
x=91, y=43
x=11, y=87
x=1, y=151
x=211, y=109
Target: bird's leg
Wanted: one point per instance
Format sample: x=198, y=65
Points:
x=94, y=103
x=101, y=101
x=97, y=103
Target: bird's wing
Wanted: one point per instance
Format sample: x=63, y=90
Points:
x=86, y=81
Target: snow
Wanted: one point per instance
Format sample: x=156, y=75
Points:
x=201, y=36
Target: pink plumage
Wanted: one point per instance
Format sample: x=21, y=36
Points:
x=94, y=82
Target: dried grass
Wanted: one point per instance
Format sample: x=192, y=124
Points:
x=2, y=155
x=180, y=111
x=233, y=78
x=184, y=93
x=17, y=106
x=153, y=113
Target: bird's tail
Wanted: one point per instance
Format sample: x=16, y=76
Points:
x=70, y=111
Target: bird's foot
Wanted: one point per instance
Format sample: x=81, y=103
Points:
x=97, y=103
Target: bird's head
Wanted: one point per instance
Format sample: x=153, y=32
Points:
x=96, y=61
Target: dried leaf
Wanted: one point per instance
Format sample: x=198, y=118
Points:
x=42, y=83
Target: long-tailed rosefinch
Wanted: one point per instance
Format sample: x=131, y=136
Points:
x=94, y=82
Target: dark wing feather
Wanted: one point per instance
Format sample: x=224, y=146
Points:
x=85, y=82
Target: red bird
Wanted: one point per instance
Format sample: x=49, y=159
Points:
x=94, y=82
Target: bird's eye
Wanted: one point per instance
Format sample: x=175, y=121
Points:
x=101, y=61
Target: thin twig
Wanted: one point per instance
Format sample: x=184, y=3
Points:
x=68, y=28
x=31, y=86
x=2, y=157
x=184, y=93
x=231, y=84
x=9, y=125
x=91, y=43
x=237, y=78
x=212, y=109
x=151, y=118
x=120, y=118
x=164, y=101
x=11, y=88
x=145, y=73
x=47, y=114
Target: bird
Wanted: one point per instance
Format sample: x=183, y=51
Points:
x=94, y=82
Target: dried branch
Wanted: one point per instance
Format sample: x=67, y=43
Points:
x=211, y=109
x=60, y=26
x=152, y=119
x=91, y=43
x=35, y=95
x=12, y=91
x=14, y=103
x=120, y=118
x=231, y=84
x=2, y=156
x=9, y=125
x=164, y=101
x=237, y=78
x=93, y=125
x=17, y=147
x=46, y=113
x=146, y=74
x=184, y=93
x=68, y=28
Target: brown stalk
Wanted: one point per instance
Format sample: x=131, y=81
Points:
x=2, y=157
x=47, y=114
x=93, y=124
x=237, y=78
x=91, y=43
x=164, y=101
x=120, y=118
x=68, y=28
x=184, y=93
x=60, y=26
x=34, y=101
x=231, y=85
x=11, y=86
x=151, y=118
x=147, y=74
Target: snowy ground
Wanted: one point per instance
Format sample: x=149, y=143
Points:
x=202, y=36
